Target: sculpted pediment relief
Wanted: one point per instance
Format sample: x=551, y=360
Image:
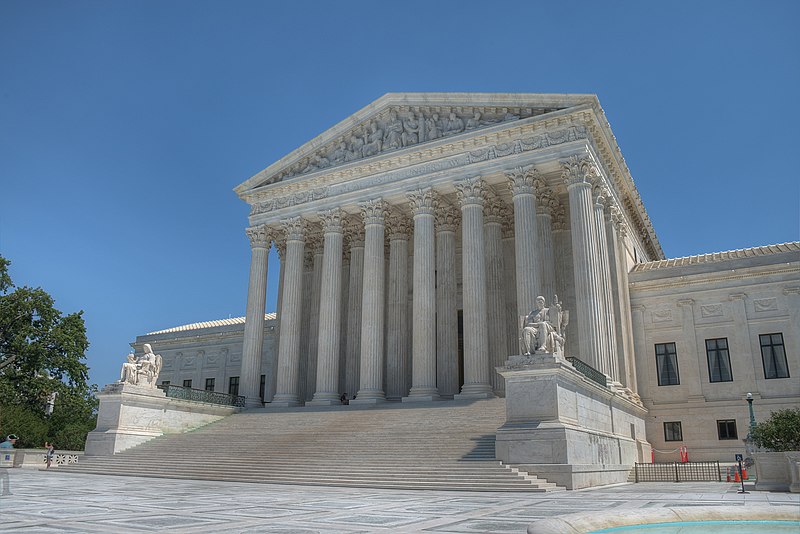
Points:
x=390, y=127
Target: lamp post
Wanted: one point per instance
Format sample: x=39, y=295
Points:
x=752, y=415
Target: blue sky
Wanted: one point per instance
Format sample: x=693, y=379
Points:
x=125, y=125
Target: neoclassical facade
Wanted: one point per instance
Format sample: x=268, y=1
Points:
x=414, y=234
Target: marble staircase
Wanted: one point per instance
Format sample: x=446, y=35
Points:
x=446, y=445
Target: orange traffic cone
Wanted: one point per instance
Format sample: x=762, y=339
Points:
x=736, y=475
x=744, y=473
x=728, y=475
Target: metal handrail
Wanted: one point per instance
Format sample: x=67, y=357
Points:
x=201, y=395
x=588, y=371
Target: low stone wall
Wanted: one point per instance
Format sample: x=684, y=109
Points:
x=36, y=458
x=778, y=471
x=568, y=429
x=131, y=415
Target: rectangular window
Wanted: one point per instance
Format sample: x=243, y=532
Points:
x=233, y=385
x=726, y=429
x=719, y=360
x=672, y=431
x=165, y=382
x=187, y=383
x=773, y=356
x=209, y=384
x=262, y=386
x=667, y=364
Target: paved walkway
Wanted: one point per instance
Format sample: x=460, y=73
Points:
x=59, y=501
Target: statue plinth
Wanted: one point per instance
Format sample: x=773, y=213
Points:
x=564, y=427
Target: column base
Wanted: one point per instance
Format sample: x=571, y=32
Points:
x=253, y=402
x=475, y=391
x=422, y=394
x=285, y=401
x=324, y=399
x=369, y=397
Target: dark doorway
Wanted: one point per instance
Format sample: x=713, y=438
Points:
x=460, y=350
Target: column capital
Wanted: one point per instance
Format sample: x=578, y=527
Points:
x=260, y=236
x=544, y=197
x=332, y=220
x=493, y=210
x=373, y=211
x=600, y=194
x=471, y=191
x=398, y=226
x=294, y=228
x=354, y=231
x=686, y=302
x=508, y=223
x=446, y=217
x=314, y=241
x=280, y=244
x=422, y=201
x=558, y=213
x=578, y=170
x=617, y=218
x=521, y=180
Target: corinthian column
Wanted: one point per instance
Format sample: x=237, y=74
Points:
x=327, y=392
x=521, y=183
x=355, y=288
x=286, y=392
x=260, y=241
x=544, y=243
x=578, y=174
x=397, y=359
x=495, y=298
x=423, y=354
x=476, y=343
x=510, y=284
x=446, y=301
x=280, y=246
x=617, y=229
x=372, y=303
x=312, y=352
x=604, y=273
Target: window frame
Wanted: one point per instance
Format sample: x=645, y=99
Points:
x=679, y=428
x=718, y=353
x=675, y=361
x=187, y=383
x=771, y=346
x=210, y=382
x=233, y=381
x=727, y=422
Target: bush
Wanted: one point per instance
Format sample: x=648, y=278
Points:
x=781, y=432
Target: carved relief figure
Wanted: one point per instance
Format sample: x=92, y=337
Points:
x=394, y=132
x=475, y=121
x=543, y=329
x=142, y=371
x=453, y=125
x=339, y=155
x=432, y=127
x=372, y=141
x=410, y=130
x=356, y=147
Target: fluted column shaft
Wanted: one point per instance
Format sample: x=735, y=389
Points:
x=476, y=339
x=616, y=230
x=423, y=353
x=604, y=274
x=510, y=286
x=286, y=392
x=313, y=322
x=372, y=304
x=280, y=246
x=355, y=295
x=577, y=174
x=521, y=183
x=544, y=246
x=253, y=343
x=495, y=297
x=397, y=357
x=446, y=301
x=330, y=310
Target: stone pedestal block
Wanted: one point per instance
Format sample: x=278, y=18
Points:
x=131, y=415
x=566, y=428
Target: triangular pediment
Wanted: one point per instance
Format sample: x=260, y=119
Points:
x=398, y=121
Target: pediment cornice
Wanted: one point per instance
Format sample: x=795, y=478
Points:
x=580, y=118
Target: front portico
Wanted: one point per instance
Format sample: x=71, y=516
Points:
x=421, y=209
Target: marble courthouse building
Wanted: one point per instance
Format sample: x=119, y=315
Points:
x=414, y=235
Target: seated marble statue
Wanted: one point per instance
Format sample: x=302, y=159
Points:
x=543, y=329
x=142, y=370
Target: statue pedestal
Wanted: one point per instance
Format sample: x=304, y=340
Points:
x=566, y=428
x=130, y=415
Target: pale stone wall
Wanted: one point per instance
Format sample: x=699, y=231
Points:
x=686, y=302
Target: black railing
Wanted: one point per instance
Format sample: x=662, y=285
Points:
x=678, y=472
x=201, y=395
x=588, y=371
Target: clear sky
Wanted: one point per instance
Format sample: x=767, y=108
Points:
x=125, y=125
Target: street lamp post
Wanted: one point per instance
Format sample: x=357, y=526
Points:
x=752, y=415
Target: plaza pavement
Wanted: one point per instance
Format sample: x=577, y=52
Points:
x=60, y=501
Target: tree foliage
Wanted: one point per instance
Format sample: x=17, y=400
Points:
x=42, y=356
x=781, y=432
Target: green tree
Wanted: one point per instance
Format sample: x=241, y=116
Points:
x=42, y=355
x=781, y=432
